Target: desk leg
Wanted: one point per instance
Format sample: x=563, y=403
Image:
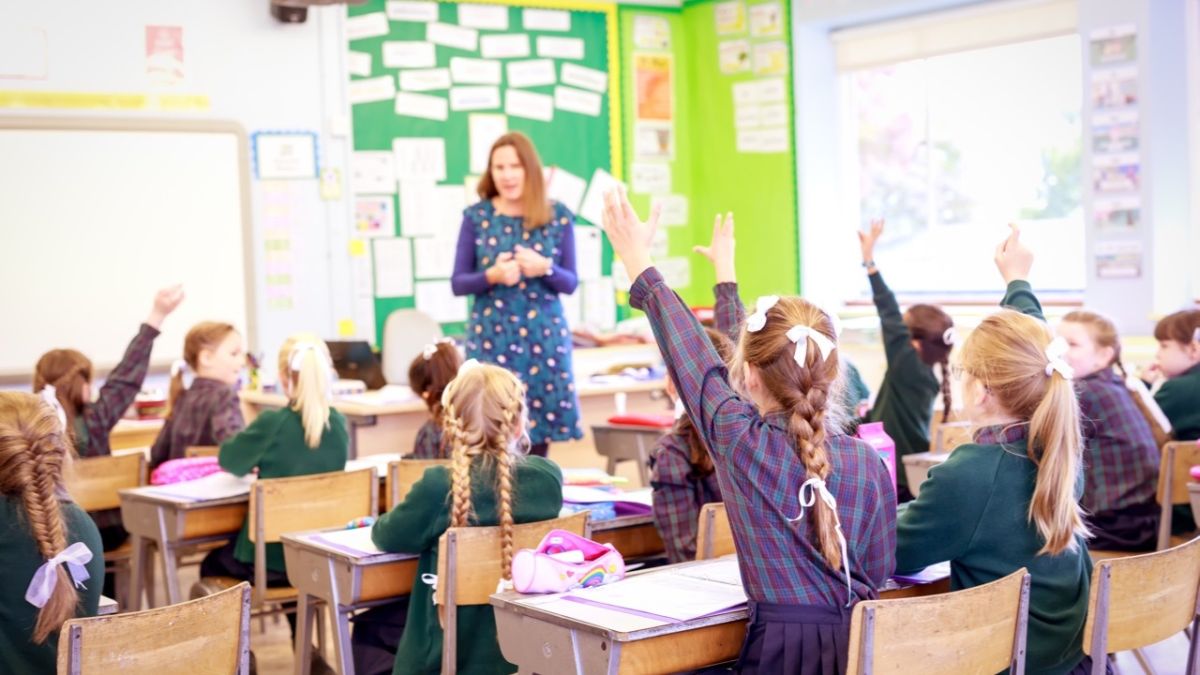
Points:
x=170, y=565
x=341, y=619
x=137, y=571
x=304, y=622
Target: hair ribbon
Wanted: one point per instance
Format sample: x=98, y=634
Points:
x=801, y=334
x=1055, y=351
x=758, y=319
x=41, y=586
x=49, y=395
x=809, y=491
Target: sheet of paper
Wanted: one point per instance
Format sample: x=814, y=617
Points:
x=372, y=89
x=474, y=71
x=665, y=594
x=572, y=309
x=674, y=209
x=560, y=47
x=474, y=98
x=418, y=208
x=483, y=130
x=770, y=58
x=532, y=73
x=387, y=395
x=577, y=101
x=730, y=17
x=358, y=63
x=589, y=250
x=357, y=542
x=366, y=26
x=364, y=311
x=723, y=570
x=593, y=203
x=411, y=10
x=436, y=299
x=600, y=304
x=220, y=485
x=585, y=78
x=504, y=46
x=434, y=256
x=733, y=56
x=774, y=115
x=677, y=272
x=766, y=20
x=374, y=216
x=565, y=187
x=408, y=54
x=619, y=277
x=551, y=20
x=527, y=104
x=286, y=155
x=422, y=105
x=611, y=619
x=584, y=494
x=373, y=172
x=487, y=17
x=361, y=274
x=378, y=462
x=935, y=572
x=393, y=268
x=651, y=32
x=423, y=158
x=456, y=37
x=654, y=140
x=650, y=178
x=428, y=79
x=660, y=244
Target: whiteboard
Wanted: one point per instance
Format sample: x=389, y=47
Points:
x=97, y=214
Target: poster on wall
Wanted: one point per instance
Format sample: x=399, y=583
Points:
x=1119, y=214
x=730, y=17
x=1115, y=44
x=1116, y=88
x=652, y=76
x=1119, y=259
x=766, y=20
x=654, y=140
x=164, y=54
x=733, y=56
x=1116, y=174
x=1115, y=132
x=284, y=154
x=651, y=32
x=374, y=216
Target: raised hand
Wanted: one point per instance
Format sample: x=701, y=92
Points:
x=166, y=300
x=720, y=249
x=866, y=240
x=629, y=235
x=1013, y=258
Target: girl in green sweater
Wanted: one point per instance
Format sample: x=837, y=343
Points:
x=1010, y=499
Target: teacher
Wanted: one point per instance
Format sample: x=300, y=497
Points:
x=516, y=254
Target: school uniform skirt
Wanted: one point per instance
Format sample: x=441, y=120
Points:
x=796, y=639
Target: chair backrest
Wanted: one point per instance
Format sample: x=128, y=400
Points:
x=977, y=630
x=318, y=501
x=1194, y=491
x=949, y=435
x=1139, y=600
x=93, y=482
x=210, y=634
x=1178, y=457
x=469, y=569
x=714, y=537
x=202, y=451
x=405, y=334
x=1160, y=426
x=402, y=475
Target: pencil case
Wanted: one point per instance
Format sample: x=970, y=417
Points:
x=565, y=561
x=184, y=469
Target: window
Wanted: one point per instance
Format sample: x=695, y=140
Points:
x=950, y=147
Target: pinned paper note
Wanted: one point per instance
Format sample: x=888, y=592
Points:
x=651, y=32
x=650, y=178
x=577, y=101
x=366, y=26
x=589, y=250
x=733, y=56
x=358, y=63
x=593, y=203
x=393, y=268
x=331, y=184
x=504, y=46
x=673, y=209
x=584, y=78
x=565, y=187
x=600, y=303
x=346, y=328
x=419, y=158
x=474, y=71
x=534, y=73
x=437, y=299
x=770, y=58
x=374, y=216
x=730, y=17
x=446, y=35
x=357, y=247
x=372, y=171
x=559, y=47
x=422, y=105
x=408, y=54
x=677, y=272
x=546, y=20
x=482, y=132
x=418, y=207
x=408, y=10
x=429, y=79
x=527, y=104
x=487, y=17
x=372, y=89
x=654, y=140
x=474, y=98
x=434, y=256
x=766, y=20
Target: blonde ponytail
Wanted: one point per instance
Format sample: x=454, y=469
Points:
x=1054, y=430
x=305, y=364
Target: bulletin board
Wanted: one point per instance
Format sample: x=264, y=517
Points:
x=431, y=84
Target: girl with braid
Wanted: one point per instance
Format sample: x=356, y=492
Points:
x=490, y=482
x=812, y=510
x=51, y=556
x=914, y=342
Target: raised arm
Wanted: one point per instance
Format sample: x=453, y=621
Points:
x=729, y=312
x=897, y=340
x=1014, y=260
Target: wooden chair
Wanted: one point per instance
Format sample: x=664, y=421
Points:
x=93, y=482
x=207, y=635
x=1143, y=599
x=1160, y=426
x=202, y=451
x=714, y=537
x=469, y=569
x=977, y=630
x=402, y=475
x=1178, y=457
x=949, y=435
x=626, y=443
x=1194, y=491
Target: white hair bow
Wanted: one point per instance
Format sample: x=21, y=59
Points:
x=834, y=319
x=1055, y=351
x=801, y=334
x=41, y=587
x=50, y=396
x=432, y=347
x=809, y=491
x=467, y=366
x=758, y=319
x=950, y=336
x=296, y=360
x=181, y=368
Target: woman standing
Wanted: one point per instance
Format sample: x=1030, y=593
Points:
x=516, y=254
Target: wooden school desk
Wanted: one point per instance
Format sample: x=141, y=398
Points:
x=597, y=640
x=134, y=434
x=346, y=582
x=633, y=536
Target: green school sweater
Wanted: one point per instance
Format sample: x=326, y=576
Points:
x=1179, y=398
x=415, y=525
x=19, y=558
x=274, y=443
x=905, y=400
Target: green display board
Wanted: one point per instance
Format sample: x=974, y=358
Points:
x=577, y=142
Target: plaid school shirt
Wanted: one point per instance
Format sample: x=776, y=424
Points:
x=428, y=444
x=678, y=496
x=1121, y=459
x=760, y=475
x=207, y=413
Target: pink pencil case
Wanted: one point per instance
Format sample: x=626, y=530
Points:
x=180, y=470
x=565, y=561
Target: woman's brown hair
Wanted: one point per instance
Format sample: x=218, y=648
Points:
x=537, y=211
x=429, y=375
x=69, y=371
x=34, y=451
x=204, y=335
x=932, y=328
x=700, y=459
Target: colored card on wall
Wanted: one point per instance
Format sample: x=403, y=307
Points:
x=653, y=80
x=374, y=216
